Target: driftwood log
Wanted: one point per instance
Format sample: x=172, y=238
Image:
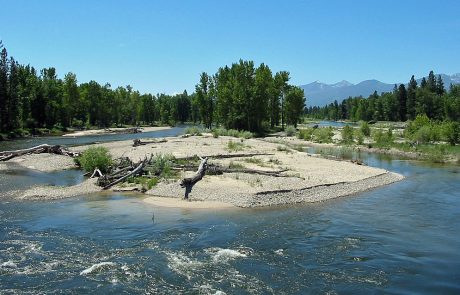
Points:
x=43, y=148
x=138, y=142
x=227, y=156
x=214, y=169
x=189, y=182
x=137, y=170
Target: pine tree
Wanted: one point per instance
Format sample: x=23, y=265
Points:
x=411, y=98
x=402, y=99
x=440, y=86
x=3, y=88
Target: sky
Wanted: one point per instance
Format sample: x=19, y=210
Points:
x=163, y=46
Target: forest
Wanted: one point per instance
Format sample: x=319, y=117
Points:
x=405, y=102
x=241, y=96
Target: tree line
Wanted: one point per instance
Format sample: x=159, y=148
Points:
x=240, y=97
x=405, y=102
x=244, y=97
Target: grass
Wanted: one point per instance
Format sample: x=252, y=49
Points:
x=194, y=131
x=234, y=146
x=235, y=165
x=231, y=132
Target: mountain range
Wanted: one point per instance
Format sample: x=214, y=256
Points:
x=320, y=94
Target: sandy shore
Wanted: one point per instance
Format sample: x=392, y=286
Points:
x=179, y=203
x=110, y=131
x=306, y=178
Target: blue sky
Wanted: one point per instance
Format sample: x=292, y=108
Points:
x=163, y=46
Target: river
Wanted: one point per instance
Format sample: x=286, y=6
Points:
x=403, y=238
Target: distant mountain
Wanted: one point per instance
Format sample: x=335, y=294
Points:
x=320, y=94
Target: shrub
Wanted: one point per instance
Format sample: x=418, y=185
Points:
x=234, y=146
x=365, y=129
x=290, y=130
x=323, y=135
x=423, y=135
x=95, y=157
x=347, y=134
x=305, y=134
x=193, y=131
x=383, y=138
x=161, y=165
x=231, y=132
x=359, y=136
x=451, y=132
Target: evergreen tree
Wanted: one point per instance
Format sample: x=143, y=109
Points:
x=411, y=98
x=4, y=101
x=295, y=105
x=402, y=99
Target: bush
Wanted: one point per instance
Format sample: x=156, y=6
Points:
x=323, y=135
x=233, y=146
x=193, y=131
x=451, y=132
x=365, y=129
x=161, y=165
x=290, y=130
x=383, y=139
x=347, y=135
x=305, y=134
x=359, y=136
x=231, y=132
x=95, y=157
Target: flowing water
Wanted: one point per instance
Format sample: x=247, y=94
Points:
x=87, y=139
x=403, y=238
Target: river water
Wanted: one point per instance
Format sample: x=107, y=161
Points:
x=403, y=238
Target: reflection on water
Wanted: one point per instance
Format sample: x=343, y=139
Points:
x=402, y=238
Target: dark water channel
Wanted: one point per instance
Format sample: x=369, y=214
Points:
x=88, y=139
x=399, y=239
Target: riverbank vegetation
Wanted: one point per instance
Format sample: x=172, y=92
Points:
x=240, y=97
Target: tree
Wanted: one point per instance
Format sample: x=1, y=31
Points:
x=71, y=99
x=295, y=105
x=4, y=69
x=402, y=99
x=411, y=98
x=205, y=92
x=281, y=85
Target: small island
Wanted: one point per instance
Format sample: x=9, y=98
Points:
x=252, y=172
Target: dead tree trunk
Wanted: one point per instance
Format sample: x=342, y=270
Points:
x=43, y=148
x=189, y=182
x=136, y=171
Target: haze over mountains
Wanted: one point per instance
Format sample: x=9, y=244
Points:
x=320, y=94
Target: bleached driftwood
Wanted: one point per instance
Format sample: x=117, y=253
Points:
x=43, y=148
x=189, y=182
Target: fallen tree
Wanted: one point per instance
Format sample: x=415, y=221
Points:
x=43, y=148
x=189, y=182
x=138, y=142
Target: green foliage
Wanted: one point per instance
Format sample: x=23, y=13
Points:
x=451, y=131
x=429, y=99
x=383, y=139
x=234, y=146
x=365, y=129
x=323, y=135
x=194, y=131
x=95, y=157
x=347, y=135
x=231, y=132
x=161, y=166
x=290, y=130
x=359, y=135
x=305, y=134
